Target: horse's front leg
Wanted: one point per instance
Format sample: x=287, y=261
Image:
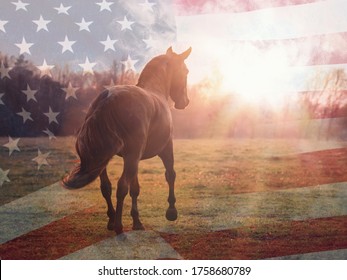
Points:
x=106, y=190
x=168, y=160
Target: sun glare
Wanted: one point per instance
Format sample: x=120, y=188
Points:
x=254, y=74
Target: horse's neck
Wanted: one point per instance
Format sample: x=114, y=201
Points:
x=154, y=80
x=155, y=85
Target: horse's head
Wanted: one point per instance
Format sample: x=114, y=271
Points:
x=179, y=72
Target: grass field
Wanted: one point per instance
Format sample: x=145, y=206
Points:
x=212, y=178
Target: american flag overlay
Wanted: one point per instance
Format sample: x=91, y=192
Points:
x=260, y=151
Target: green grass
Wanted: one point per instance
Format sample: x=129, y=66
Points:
x=209, y=173
x=225, y=196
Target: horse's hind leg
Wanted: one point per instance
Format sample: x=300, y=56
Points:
x=129, y=177
x=168, y=160
x=134, y=193
x=106, y=190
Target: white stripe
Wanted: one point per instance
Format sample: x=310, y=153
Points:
x=251, y=69
x=281, y=80
x=259, y=71
x=39, y=209
x=134, y=245
x=241, y=210
x=325, y=255
x=267, y=24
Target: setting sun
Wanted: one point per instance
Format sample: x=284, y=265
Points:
x=245, y=70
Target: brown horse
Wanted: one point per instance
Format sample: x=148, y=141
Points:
x=133, y=122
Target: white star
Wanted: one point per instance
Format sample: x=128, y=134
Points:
x=84, y=25
x=2, y=25
x=45, y=69
x=62, y=9
x=150, y=43
x=1, y=102
x=125, y=23
x=3, y=176
x=52, y=116
x=4, y=71
x=30, y=93
x=105, y=5
x=87, y=67
x=70, y=91
x=148, y=5
x=50, y=134
x=20, y=5
x=41, y=159
x=67, y=45
x=12, y=145
x=25, y=115
x=41, y=24
x=108, y=43
x=129, y=64
x=24, y=47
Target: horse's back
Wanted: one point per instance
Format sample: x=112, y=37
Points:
x=141, y=119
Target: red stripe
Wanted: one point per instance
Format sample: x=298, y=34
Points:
x=263, y=241
x=260, y=241
x=193, y=7
x=59, y=238
x=87, y=227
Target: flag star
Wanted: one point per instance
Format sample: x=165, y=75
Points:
x=125, y=23
x=104, y=5
x=108, y=43
x=52, y=116
x=147, y=5
x=50, y=134
x=2, y=25
x=87, y=66
x=24, y=47
x=41, y=159
x=25, y=115
x=41, y=24
x=1, y=102
x=84, y=25
x=3, y=176
x=62, y=10
x=150, y=43
x=4, y=71
x=20, y=5
x=45, y=69
x=129, y=64
x=30, y=94
x=70, y=91
x=67, y=45
x=12, y=145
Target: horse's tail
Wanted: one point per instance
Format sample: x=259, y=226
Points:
x=97, y=142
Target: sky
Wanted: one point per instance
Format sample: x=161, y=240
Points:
x=260, y=49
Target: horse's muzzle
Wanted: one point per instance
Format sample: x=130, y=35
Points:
x=181, y=105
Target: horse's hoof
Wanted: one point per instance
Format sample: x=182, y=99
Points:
x=171, y=214
x=118, y=230
x=138, y=226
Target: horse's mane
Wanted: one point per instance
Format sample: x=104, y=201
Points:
x=154, y=72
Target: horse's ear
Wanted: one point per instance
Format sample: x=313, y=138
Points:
x=185, y=54
x=169, y=51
